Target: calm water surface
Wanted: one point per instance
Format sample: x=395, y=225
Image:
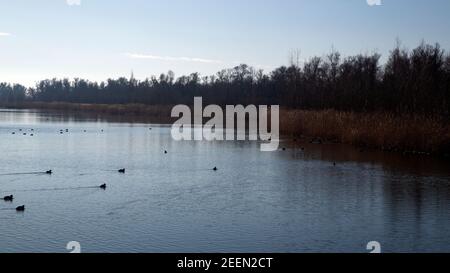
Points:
x=285, y=201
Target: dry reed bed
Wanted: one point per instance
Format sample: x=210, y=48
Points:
x=376, y=130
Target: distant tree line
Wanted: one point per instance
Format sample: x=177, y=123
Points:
x=415, y=81
x=12, y=93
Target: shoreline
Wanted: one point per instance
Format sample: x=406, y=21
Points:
x=411, y=134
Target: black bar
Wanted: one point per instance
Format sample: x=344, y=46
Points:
x=224, y=262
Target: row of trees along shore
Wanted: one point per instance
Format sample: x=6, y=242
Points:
x=410, y=82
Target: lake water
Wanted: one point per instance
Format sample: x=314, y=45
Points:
x=284, y=201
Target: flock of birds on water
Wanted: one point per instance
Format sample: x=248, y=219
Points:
x=10, y=198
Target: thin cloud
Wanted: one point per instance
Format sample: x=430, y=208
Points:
x=73, y=2
x=193, y=60
x=3, y=34
x=172, y=59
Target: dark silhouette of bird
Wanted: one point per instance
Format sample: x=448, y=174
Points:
x=165, y=152
x=103, y=187
x=215, y=169
x=49, y=172
x=21, y=208
x=121, y=171
x=8, y=198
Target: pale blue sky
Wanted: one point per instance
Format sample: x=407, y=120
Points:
x=99, y=39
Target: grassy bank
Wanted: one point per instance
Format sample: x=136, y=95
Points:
x=142, y=112
x=385, y=131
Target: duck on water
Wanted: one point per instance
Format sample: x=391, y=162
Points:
x=8, y=198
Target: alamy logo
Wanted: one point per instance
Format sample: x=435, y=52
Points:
x=374, y=2
x=236, y=123
x=374, y=247
x=74, y=247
